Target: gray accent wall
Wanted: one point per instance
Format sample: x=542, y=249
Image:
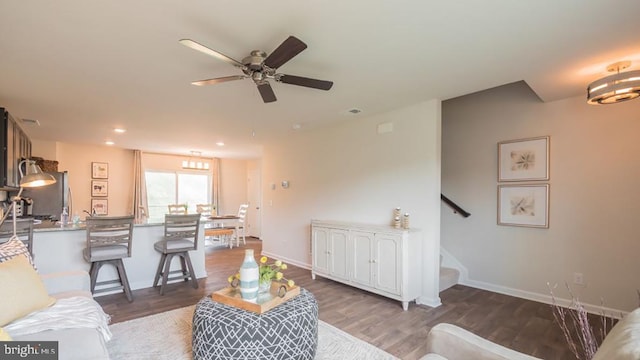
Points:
x=594, y=196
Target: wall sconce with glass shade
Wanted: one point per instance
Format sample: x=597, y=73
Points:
x=195, y=162
x=34, y=178
x=615, y=88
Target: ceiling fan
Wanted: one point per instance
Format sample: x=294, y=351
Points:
x=260, y=67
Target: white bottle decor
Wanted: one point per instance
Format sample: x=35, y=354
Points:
x=397, y=213
x=405, y=221
x=249, y=276
x=64, y=217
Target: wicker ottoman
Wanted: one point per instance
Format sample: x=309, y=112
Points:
x=288, y=331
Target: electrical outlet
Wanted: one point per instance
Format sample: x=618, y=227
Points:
x=578, y=278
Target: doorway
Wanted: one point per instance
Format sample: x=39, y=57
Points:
x=254, y=218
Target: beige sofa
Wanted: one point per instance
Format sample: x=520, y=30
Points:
x=449, y=342
x=73, y=343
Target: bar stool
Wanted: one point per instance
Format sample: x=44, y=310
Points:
x=180, y=237
x=108, y=242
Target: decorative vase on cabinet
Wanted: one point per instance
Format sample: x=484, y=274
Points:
x=249, y=277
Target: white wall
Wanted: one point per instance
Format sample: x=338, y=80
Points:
x=594, y=198
x=233, y=185
x=45, y=149
x=77, y=159
x=349, y=172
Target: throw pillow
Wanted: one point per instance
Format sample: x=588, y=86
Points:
x=4, y=336
x=21, y=290
x=12, y=248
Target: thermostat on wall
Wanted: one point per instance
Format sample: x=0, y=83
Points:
x=285, y=184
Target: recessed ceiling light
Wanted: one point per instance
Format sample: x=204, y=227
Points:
x=119, y=130
x=296, y=126
x=109, y=142
x=220, y=143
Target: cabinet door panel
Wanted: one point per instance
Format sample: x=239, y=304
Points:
x=338, y=253
x=362, y=257
x=321, y=250
x=388, y=263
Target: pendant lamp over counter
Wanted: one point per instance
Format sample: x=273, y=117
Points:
x=615, y=88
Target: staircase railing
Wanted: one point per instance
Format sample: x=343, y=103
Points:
x=456, y=209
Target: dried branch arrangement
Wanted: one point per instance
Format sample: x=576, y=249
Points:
x=575, y=326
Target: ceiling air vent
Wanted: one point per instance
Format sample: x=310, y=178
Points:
x=31, y=122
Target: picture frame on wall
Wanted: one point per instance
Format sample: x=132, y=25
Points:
x=524, y=205
x=99, y=188
x=99, y=170
x=100, y=206
x=523, y=159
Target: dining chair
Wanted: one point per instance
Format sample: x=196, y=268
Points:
x=24, y=230
x=108, y=242
x=180, y=237
x=177, y=209
x=240, y=226
x=204, y=209
x=211, y=232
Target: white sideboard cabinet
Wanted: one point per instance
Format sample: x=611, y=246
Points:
x=379, y=259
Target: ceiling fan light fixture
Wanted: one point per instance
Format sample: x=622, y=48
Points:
x=615, y=88
x=259, y=67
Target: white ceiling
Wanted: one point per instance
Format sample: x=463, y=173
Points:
x=83, y=67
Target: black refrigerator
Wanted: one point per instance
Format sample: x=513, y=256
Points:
x=48, y=201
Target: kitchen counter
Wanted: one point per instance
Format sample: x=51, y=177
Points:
x=59, y=248
x=48, y=225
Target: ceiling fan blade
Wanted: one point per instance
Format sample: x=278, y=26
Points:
x=218, y=80
x=303, y=81
x=266, y=92
x=203, y=49
x=289, y=48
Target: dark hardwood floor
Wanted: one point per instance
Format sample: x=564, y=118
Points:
x=519, y=324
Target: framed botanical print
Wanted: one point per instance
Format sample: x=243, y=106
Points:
x=99, y=170
x=523, y=159
x=523, y=205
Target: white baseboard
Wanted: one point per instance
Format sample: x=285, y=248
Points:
x=287, y=260
x=543, y=298
x=431, y=302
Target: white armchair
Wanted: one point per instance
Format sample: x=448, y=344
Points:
x=449, y=342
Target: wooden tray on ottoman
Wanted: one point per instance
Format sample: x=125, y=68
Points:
x=265, y=302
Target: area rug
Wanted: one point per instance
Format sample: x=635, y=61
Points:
x=167, y=336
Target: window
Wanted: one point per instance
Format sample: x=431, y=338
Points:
x=164, y=188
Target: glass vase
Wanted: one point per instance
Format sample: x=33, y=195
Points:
x=249, y=276
x=264, y=286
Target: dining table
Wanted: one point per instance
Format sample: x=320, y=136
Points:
x=227, y=221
